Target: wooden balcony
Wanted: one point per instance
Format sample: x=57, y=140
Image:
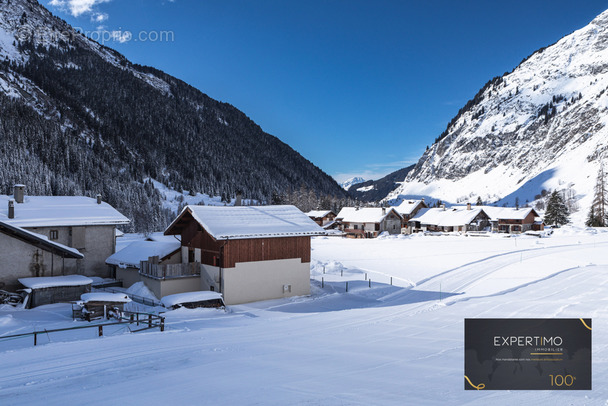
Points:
x=167, y=271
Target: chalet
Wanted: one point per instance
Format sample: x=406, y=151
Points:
x=459, y=219
x=513, y=220
x=26, y=254
x=85, y=224
x=369, y=222
x=408, y=209
x=126, y=262
x=324, y=218
x=247, y=253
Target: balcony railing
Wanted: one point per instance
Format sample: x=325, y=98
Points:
x=164, y=271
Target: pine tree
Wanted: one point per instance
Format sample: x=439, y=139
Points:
x=598, y=216
x=479, y=201
x=557, y=213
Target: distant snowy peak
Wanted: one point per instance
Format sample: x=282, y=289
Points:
x=346, y=185
x=542, y=126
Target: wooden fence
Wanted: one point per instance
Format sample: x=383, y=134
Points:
x=153, y=269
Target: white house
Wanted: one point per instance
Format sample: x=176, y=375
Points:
x=26, y=254
x=369, y=222
x=450, y=219
x=83, y=223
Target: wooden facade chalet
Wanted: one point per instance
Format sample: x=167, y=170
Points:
x=248, y=253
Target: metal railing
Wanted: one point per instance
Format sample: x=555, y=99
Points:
x=147, y=319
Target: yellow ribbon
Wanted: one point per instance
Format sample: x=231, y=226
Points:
x=478, y=387
x=585, y=324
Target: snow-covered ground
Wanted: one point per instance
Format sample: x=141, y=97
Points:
x=384, y=345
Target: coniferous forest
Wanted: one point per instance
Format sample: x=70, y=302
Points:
x=84, y=125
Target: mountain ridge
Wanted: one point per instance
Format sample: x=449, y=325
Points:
x=79, y=118
x=541, y=126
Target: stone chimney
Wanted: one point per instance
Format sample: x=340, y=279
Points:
x=98, y=199
x=11, y=209
x=19, y=193
x=238, y=202
x=468, y=206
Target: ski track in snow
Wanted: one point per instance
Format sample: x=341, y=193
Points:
x=401, y=346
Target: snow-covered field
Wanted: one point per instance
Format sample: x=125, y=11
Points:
x=384, y=345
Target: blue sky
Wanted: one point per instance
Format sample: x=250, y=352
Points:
x=357, y=87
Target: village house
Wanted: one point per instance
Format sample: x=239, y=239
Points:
x=126, y=262
x=369, y=222
x=85, y=224
x=323, y=218
x=408, y=209
x=247, y=253
x=26, y=254
x=459, y=219
x=513, y=220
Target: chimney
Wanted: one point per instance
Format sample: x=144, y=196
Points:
x=19, y=192
x=443, y=206
x=468, y=206
x=237, y=202
x=383, y=211
x=11, y=209
x=98, y=199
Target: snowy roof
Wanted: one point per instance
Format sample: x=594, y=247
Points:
x=450, y=217
x=365, y=214
x=507, y=213
x=132, y=254
x=189, y=297
x=407, y=207
x=318, y=213
x=53, y=211
x=105, y=297
x=40, y=241
x=54, y=281
x=244, y=222
x=161, y=237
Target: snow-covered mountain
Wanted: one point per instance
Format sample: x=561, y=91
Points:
x=78, y=118
x=541, y=126
x=351, y=182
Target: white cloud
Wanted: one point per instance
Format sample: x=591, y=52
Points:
x=99, y=17
x=122, y=36
x=77, y=7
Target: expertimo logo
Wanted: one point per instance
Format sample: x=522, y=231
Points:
x=526, y=341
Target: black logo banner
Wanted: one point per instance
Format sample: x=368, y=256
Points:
x=527, y=354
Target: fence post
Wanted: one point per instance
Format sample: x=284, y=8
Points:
x=347, y=286
x=370, y=283
x=322, y=282
x=100, y=330
x=35, y=338
x=162, y=324
x=149, y=320
x=365, y=275
x=391, y=281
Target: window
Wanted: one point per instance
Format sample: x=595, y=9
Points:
x=356, y=226
x=54, y=234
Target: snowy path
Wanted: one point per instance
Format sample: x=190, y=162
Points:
x=387, y=345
